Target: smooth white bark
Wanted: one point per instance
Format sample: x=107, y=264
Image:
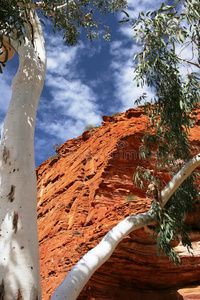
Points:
x=76, y=279
x=176, y=181
x=19, y=259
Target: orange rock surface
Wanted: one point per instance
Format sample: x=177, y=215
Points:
x=86, y=191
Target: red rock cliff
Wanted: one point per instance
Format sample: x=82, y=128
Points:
x=86, y=191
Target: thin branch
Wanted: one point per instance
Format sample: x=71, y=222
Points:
x=41, y=4
x=189, y=62
x=63, y=6
x=78, y=7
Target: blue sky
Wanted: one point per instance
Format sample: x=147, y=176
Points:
x=82, y=83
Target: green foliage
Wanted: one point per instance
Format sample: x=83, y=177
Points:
x=53, y=156
x=171, y=226
x=11, y=16
x=171, y=110
x=131, y=198
x=142, y=177
x=89, y=126
x=76, y=233
x=81, y=14
x=114, y=114
x=12, y=19
x=56, y=146
x=69, y=17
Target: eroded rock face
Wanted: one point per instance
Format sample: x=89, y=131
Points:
x=85, y=192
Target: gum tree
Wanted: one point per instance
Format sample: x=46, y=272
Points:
x=163, y=36
x=21, y=32
x=160, y=33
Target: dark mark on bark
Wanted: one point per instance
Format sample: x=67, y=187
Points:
x=11, y=194
x=2, y=290
x=5, y=154
x=19, y=296
x=15, y=221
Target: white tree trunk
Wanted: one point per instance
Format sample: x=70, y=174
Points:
x=19, y=259
x=76, y=279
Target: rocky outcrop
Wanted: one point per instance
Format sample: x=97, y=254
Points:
x=86, y=191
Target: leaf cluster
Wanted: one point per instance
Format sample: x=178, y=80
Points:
x=158, y=66
x=78, y=15
x=69, y=16
x=11, y=20
x=172, y=109
x=11, y=16
x=171, y=227
x=142, y=177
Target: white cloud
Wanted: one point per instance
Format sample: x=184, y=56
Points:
x=60, y=57
x=74, y=99
x=122, y=66
x=126, y=90
x=123, y=51
x=135, y=7
x=71, y=102
x=5, y=88
x=56, y=131
x=61, y=129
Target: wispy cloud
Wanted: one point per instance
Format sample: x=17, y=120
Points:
x=122, y=51
x=60, y=57
x=123, y=67
x=69, y=101
x=5, y=88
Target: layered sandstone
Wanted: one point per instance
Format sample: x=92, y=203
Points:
x=86, y=191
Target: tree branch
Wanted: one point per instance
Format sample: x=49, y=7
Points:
x=63, y=6
x=41, y=4
x=176, y=181
x=189, y=62
x=76, y=279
